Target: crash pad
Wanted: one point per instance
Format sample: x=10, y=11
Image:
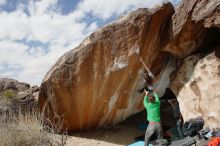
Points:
x=139, y=143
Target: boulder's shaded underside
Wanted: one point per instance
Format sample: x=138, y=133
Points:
x=95, y=84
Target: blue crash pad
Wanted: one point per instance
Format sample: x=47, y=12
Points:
x=139, y=143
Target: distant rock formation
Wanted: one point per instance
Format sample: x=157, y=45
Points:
x=16, y=96
x=6, y=84
x=95, y=84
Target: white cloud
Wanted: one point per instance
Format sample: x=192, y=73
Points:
x=13, y=25
x=43, y=24
x=105, y=9
x=2, y=2
x=23, y=65
x=37, y=51
x=42, y=6
x=10, y=52
x=62, y=29
x=92, y=27
x=36, y=34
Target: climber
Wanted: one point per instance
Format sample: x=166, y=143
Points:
x=152, y=105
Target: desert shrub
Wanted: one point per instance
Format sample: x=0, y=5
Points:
x=27, y=130
x=8, y=94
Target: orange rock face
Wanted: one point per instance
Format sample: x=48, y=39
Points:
x=95, y=84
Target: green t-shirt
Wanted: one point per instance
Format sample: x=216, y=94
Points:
x=153, y=109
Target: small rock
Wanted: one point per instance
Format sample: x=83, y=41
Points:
x=34, y=88
x=22, y=86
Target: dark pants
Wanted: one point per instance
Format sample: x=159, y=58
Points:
x=179, y=128
x=151, y=129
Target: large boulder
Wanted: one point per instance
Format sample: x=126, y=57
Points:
x=198, y=88
x=96, y=84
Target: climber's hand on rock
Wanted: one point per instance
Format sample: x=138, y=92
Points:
x=146, y=92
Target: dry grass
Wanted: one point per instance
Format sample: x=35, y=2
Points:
x=19, y=129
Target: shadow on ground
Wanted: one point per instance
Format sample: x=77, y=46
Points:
x=122, y=134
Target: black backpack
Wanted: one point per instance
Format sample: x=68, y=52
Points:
x=191, y=127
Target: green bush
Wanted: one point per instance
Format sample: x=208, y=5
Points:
x=9, y=94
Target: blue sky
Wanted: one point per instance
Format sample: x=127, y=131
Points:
x=35, y=33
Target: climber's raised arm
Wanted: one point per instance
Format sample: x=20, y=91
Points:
x=147, y=69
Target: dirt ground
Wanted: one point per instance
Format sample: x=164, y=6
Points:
x=119, y=135
x=122, y=134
